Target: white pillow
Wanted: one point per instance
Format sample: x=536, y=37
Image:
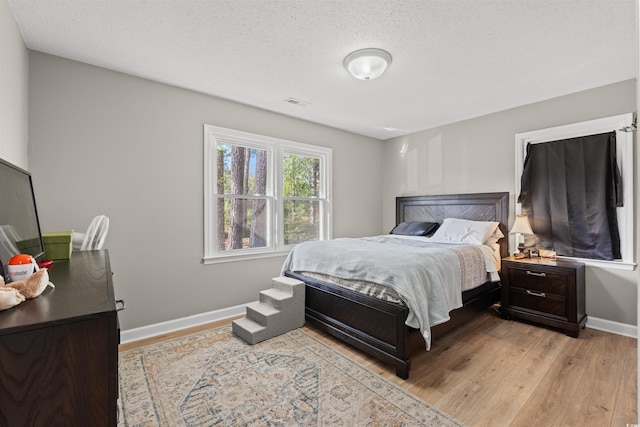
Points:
x=454, y=230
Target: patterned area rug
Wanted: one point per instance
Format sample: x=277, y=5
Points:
x=214, y=378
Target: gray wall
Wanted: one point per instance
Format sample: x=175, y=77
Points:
x=13, y=90
x=109, y=143
x=478, y=155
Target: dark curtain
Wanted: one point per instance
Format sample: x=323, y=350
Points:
x=570, y=191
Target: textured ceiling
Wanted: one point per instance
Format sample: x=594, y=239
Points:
x=452, y=60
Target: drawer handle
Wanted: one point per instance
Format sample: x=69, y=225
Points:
x=536, y=294
x=533, y=273
x=122, y=305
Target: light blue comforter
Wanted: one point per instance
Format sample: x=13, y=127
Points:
x=428, y=279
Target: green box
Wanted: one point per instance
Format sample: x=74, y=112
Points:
x=57, y=244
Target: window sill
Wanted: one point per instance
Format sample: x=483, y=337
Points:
x=245, y=256
x=612, y=265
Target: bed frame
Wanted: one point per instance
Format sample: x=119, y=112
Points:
x=378, y=327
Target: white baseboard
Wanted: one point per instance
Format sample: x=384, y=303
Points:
x=143, y=332
x=161, y=328
x=613, y=327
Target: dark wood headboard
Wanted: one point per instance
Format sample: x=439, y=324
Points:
x=476, y=207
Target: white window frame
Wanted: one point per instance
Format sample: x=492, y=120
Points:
x=276, y=148
x=624, y=156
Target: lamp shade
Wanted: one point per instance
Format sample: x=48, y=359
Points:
x=521, y=225
x=367, y=64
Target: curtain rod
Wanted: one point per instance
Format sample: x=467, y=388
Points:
x=632, y=127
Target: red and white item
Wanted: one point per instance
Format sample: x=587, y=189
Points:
x=21, y=267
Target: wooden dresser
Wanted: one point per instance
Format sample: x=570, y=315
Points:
x=59, y=351
x=545, y=291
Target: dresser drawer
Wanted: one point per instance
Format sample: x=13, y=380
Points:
x=539, y=301
x=540, y=281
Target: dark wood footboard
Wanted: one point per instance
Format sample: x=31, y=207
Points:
x=374, y=326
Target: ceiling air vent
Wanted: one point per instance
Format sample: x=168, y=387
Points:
x=297, y=102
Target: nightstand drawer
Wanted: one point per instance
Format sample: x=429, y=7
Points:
x=541, y=281
x=543, y=302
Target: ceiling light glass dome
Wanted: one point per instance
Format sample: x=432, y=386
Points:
x=367, y=64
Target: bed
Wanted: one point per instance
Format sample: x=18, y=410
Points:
x=378, y=327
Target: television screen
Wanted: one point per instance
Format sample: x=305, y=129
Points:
x=19, y=225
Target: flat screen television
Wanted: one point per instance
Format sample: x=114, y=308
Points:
x=19, y=224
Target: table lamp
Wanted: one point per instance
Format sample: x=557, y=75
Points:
x=521, y=227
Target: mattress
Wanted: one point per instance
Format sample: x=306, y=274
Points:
x=388, y=294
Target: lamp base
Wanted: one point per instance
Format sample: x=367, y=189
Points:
x=525, y=252
x=522, y=252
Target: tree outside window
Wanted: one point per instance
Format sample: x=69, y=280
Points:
x=241, y=180
x=301, y=180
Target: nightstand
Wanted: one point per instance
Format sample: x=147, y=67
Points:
x=550, y=292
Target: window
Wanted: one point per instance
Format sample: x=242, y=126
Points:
x=624, y=157
x=262, y=195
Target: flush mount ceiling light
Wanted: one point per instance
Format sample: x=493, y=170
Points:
x=367, y=64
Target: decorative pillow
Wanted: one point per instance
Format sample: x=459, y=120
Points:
x=493, y=239
x=454, y=230
x=415, y=228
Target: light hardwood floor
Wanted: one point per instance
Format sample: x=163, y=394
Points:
x=496, y=372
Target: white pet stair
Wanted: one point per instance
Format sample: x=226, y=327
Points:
x=279, y=310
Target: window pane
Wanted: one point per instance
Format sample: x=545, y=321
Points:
x=301, y=176
x=301, y=221
x=242, y=223
x=241, y=170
